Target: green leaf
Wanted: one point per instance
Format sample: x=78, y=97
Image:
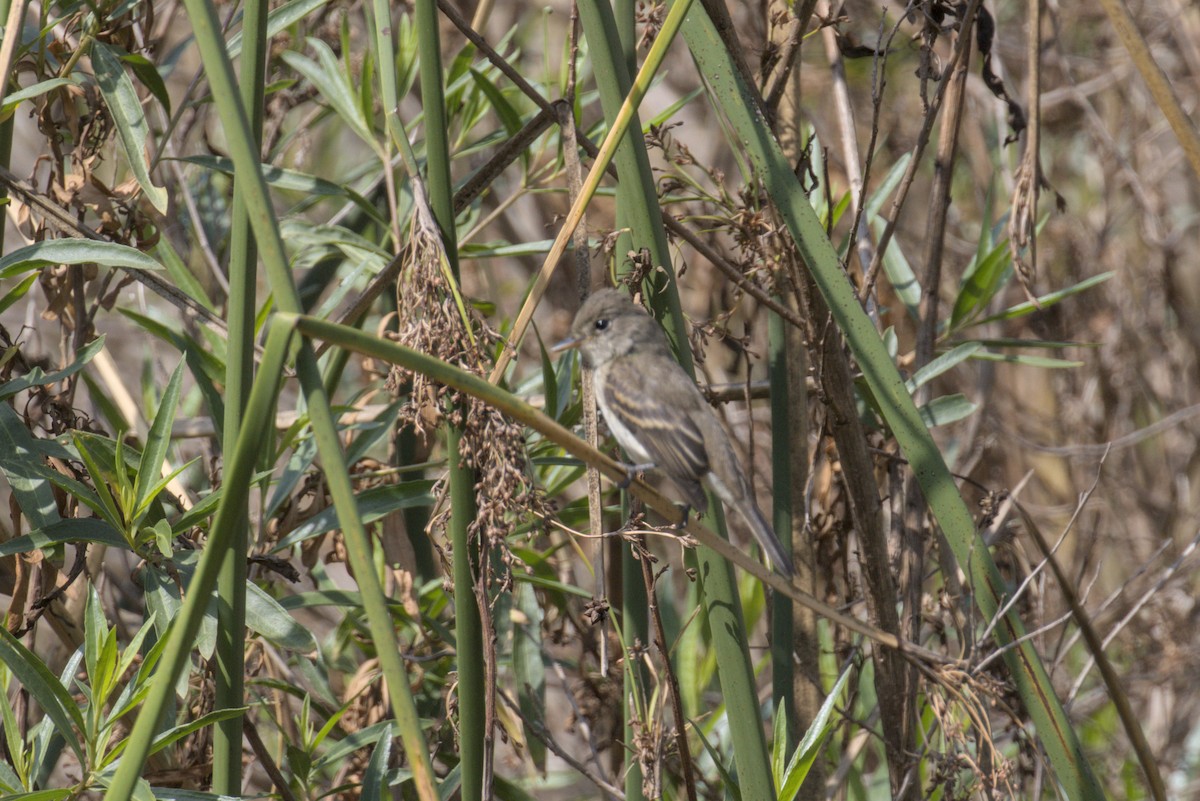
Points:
x=13, y=99
x=23, y=468
x=373, y=504
x=150, y=77
x=265, y=616
x=980, y=284
x=105, y=677
x=128, y=116
x=17, y=292
x=181, y=275
x=142, y=791
x=14, y=777
x=45, y=688
x=39, y=378
x=528, y=667
x=886, y=186
x=340, y=750
x=162, y=538
x=78, y=529
x=74, y=251
x=174, y=735
x=900, y=273
x=179, y=794
x=1017, y=342
x=158, y=440
x=1044, y=362
x=374, y=778
x=199, y=513
x=278, y=177
x=159, y=486
x=808, y=749
x=326, y=75
x=136, y=690
x=278, y=19
x=942, y=364
x=662, y=117
x=946, y=409
x=109, y=505
x=1048, y=300
x=549, y=382
x=95, y=630
x=42, y=795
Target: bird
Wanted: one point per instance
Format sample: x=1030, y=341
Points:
x=657, y=413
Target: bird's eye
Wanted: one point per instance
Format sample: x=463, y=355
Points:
x=602, y=324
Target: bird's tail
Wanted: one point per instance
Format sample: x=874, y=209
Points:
x=766, y=538
x=747, y=509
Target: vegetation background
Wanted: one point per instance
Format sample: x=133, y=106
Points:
x=410, y=589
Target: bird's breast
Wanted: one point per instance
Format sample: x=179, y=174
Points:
x=624, y=435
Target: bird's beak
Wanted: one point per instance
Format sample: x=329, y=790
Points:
x=566, y=344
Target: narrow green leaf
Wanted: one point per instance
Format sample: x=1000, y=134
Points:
x=375, y=776
x=981, y=284
x=204, y=508
x=109, y=504
x=95, y=630
x=158, y=440
x=39, y=378
x=886, y=186
x=81, y=529
x=278, y=19
x=265, y=616
x=373, y=504
x=1048, y=344
x=135, y=691
x=17, y=292
x=809, y=748
x=179, y=794
x=150, y=77
x=528, y=667
x=158, y=486
x=105, y=677
x=499, y=103
x=11, y=783
x=13, y=99
x=900, y=273
x=15, y=777
x=1048, y=300
x=1029, y=361
x=74, y=251
x=946, y=409
x=174, y=735
x=42, y=795
x=122, y=101
x=326, y=75
x=664, y=116
x=45, y=688
x=23, y=468
x=278, y=177
x=181, y=275
x=942, y=364
x=549, y=380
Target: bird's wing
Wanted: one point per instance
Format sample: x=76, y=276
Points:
x=664, y=426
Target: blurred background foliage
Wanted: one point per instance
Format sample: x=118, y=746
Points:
x=1043, y=317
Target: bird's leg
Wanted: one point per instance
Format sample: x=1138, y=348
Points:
x=683, y=521
x=632, y=471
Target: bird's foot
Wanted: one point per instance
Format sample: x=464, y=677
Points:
x=632, y=471
x=681, y=524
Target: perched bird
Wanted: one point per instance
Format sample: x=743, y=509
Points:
x=657, y=413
